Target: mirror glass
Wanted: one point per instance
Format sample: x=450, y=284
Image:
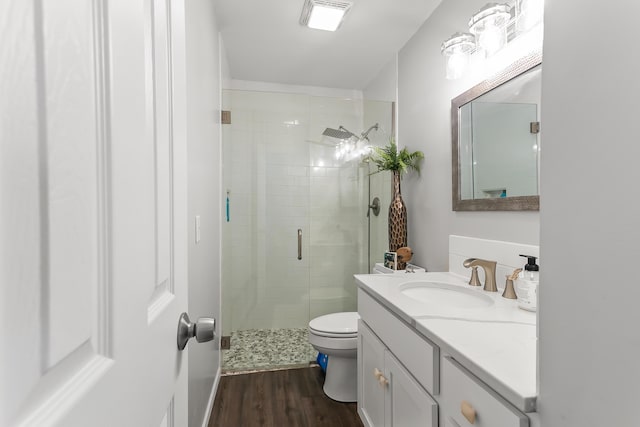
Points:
x=496, y=142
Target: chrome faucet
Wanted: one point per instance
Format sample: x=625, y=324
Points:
x=489, y=268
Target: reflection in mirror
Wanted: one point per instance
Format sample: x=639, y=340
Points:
x=499, y=140
x=496, y=144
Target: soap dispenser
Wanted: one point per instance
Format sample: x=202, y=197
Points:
x=527, y=284
x=531, y=269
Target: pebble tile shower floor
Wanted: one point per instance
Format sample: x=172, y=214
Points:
x=264, y=349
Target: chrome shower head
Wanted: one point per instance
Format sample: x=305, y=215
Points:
x=340, y=133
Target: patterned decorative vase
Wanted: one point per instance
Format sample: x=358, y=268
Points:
x=397, y=219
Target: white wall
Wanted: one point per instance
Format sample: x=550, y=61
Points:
x=590, y=214
x=384, y=86
x=203, y=97
x=424, y=103
x=256, y=86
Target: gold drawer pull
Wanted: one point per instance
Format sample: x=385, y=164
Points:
x=383, y=381
x=377, y=373
x=468, y=411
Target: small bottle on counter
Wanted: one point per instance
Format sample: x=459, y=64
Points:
x=527, y=284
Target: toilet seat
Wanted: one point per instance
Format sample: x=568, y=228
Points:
x=332, y=335
x=336, y=325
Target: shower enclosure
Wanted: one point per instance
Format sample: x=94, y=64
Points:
x=296, y=227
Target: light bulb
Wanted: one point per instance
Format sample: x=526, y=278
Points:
x=457, y=65
x=457, y=50
x=490, y=27
x=529, y=13
x=492, y=40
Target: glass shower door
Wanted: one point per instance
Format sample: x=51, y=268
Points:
x=265, y=285
x=338, y=239
x=283, y=178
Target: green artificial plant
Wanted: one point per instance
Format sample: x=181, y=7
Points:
x=388, y=158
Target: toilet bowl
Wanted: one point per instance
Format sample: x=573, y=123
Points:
x=336, y=335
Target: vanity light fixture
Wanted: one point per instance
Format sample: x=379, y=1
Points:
x=489, y=26
x=324, y=14
x=490, y=30
x=458, y=49
x=528, y=14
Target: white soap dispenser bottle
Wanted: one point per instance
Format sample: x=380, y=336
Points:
x=527, y=284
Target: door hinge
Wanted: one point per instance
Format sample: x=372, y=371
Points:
x=534, y=127
x=225, y=117
x=225, y=343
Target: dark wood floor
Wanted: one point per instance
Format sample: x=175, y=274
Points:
x=288, y=398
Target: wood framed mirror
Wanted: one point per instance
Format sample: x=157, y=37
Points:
x=496, y=142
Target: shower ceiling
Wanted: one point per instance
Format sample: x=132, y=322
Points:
x=265, y=42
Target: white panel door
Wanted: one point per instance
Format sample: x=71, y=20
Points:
x=92, y=213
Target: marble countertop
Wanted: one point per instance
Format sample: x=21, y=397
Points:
x=497, y=342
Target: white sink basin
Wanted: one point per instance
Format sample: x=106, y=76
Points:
x=443, y=294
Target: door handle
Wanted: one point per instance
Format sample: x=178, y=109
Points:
x=203, y=329
x=299, y=243
x=374, y=206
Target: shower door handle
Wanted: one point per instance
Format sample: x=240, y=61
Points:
x=299, y=243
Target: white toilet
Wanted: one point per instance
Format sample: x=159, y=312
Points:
x=336, y=335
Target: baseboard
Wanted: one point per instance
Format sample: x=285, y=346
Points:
x=363, y=417
x=212, y=398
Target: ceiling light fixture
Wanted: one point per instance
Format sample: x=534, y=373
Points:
x=324, y=14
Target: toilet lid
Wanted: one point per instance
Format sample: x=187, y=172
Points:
x=336, y=323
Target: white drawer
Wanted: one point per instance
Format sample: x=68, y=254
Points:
x=460, y=388
x=420, y=356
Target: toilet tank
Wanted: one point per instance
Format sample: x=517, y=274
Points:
x=379, y=268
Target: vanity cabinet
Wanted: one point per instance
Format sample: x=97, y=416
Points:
x=405, y=379
x=465, y=398
x=417, y=354
x=388, y=394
